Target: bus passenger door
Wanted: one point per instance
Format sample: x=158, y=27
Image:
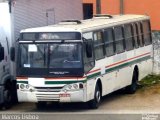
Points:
x=89, y=63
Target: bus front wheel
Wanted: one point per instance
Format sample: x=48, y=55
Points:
x=94, y=104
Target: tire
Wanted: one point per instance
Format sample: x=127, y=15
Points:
x=131, y=89
x=14, y=92
x=1, y=106
x=7, y=93
x=94, y=104
x=41, y=105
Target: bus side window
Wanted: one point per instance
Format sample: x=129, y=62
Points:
x=119, y=44
x=128, y=36
x=99, y=45
x=140, y=34
x=109, y=42
x=146, y=32
x=135, y=35
x=88, y=61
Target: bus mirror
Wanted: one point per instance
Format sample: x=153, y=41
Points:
x=1, y=53
x=12, y=54
x=89, y=50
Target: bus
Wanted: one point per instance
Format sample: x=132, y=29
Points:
x=82, y=61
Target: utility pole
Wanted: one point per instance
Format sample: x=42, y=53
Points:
x=121, y=7
x=98, y=6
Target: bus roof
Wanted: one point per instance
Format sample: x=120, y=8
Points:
x=89, y=24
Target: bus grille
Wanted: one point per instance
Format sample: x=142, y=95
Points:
x=47, y=97
x=48, y=89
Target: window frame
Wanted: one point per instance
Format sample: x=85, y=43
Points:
x=148, y=32
x=125, y=38
x=135, y=36
x=101, y=44
x=120, y=39
x=113, y=42
x=88, y=62
x=139, y=27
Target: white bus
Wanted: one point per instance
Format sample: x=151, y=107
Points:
x=81, y=61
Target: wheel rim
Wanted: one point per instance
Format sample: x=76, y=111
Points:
x=98, y=96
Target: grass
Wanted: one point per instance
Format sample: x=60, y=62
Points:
x=150, y=85
x=150, y=80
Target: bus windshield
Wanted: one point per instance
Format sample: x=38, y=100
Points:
x=55, y=55
x=50, y=59
x=65, y=56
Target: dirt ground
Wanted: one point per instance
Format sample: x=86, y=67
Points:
x=146, y=99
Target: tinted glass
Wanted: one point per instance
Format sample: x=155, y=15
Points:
x=135, y=36
x=146, y=32
x=128, y=37
x=109, y=43
x=33, y=55
x=99, y=45
x=65, y=56
x=119, y=39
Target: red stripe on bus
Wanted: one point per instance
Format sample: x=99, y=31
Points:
x=60, y=78
x=22, y=78
x=126, y=60
x=94, y=71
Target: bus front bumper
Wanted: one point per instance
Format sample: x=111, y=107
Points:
x=69, y=96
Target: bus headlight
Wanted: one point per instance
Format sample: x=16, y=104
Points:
x=72, y=87
x=26, y=87
x=22, y=86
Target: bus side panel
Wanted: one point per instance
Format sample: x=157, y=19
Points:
x=120, y=68
x=124, y=77
x=109, y=83
x=124, y=69
x=145, y=66
x=90, y=85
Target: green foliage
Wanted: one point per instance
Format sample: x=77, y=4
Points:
x=150, y=80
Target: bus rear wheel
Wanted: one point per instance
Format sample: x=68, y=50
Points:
x=131, y=89
x=94, y=104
